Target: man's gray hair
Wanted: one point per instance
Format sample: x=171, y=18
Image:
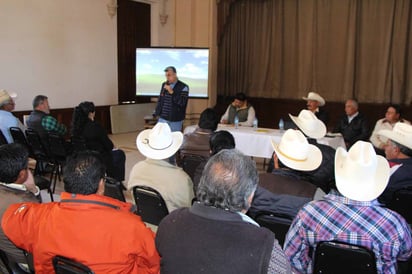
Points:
x=38, y=100
x=354, y=103
x=228, y=179
x=403, y=149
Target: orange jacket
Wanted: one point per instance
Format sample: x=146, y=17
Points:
x=95, y=230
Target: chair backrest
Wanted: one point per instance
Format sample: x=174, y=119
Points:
x=190, y=162
x=57, y=147
x=114, y=189
x=63, y=265
x=277, y=223
x=9, y=265
x=150, y=205
x=338, y=258
x=18, y=136
x=402, y=203
x=3, y=139
x=37, y=147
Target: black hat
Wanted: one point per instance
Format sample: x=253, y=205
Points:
x=170, y=68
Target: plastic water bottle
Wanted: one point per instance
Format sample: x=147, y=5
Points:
x=255, y=123
x=281, y=124
x=236, y=121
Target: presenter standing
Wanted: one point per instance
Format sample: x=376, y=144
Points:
x=172, y=102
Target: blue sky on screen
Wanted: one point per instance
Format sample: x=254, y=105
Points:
x=191, y=63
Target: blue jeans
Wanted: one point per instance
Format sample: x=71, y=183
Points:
x=174, y=126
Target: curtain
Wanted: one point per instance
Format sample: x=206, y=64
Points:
x=339, y=48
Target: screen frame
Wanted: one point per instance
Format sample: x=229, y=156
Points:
x=171, y=48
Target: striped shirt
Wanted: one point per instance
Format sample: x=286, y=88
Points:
x=336, y=217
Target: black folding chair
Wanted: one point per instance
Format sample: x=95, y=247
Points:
x=277, y=223
x=150, y=205
x=401, y=202
x=18, y=136
x=10, y=266
x=59, y=151
x=63, y=265
x=342, y=258
x=114, y=189
x=3, y=140
x=42, y=156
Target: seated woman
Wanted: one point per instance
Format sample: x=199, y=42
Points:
x=95, y=137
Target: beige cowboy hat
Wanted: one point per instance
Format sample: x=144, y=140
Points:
x=6, y=96
x=295, y=152
x=360, y=174
x=315, y=97
x=309, y=124
x=159, y=142
x=401, y=133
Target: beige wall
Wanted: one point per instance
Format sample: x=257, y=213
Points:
x=65, y=49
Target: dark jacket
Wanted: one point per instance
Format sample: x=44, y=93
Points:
x=204, y=239
x=96, y=139
x=324, y=175
x=179, y=102
x=401, y=178
x=357, y=129
x=281, y=193
x=323, y=116
x=34, y=122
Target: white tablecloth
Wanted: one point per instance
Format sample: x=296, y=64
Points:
x=257, y=142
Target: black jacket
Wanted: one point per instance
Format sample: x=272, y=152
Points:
x=179, y=102
x=357, y=129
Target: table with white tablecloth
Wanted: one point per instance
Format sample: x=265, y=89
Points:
x=257, y=142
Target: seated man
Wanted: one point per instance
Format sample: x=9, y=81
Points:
x=16, y=186
x=392, y=116
x=313, y=128
x=398, y=151
x=352, y=215
x=41, y=121
x=240, y=108
x=314, y=104
x=158, y=144
x=197, y=142
x=215, y=235
x=7, y=119
x=219, y=140
x=353, y=126
x=286, y=190
x=95, y=230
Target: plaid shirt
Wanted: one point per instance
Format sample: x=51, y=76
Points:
x=336, y=217
x=49, y=123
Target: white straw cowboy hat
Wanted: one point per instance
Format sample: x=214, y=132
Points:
x=309, y=124
x=401, y=133
x=295, y=152
x=360, y=174
x=6, y=96
x=315, y=97
x=159, y=142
